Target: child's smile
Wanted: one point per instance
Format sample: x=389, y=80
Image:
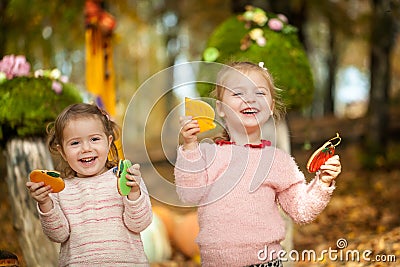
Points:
x=86, y=146
x=250, y=111
x=88, y=161
x=246, y=103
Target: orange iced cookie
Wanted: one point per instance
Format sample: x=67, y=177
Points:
x=51, y=178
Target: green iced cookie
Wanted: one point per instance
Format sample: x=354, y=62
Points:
x=123, y=166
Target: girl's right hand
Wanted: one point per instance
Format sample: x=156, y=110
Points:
x=40, y=193
x=189, y=130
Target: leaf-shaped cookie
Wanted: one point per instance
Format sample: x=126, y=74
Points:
x=322, y=154
x=200, y=111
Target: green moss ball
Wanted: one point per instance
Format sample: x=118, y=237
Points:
x=283, y=55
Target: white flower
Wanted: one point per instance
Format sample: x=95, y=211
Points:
x=261, y=41
x=260, y=18
x=38, y=73
x=55, y=74
x=64, y=78
x=256, y=33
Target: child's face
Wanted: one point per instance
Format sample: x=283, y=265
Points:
x=85, y=146
x=246, y=102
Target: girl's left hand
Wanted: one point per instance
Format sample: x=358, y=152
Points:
x=330, y=170
x=134, y=176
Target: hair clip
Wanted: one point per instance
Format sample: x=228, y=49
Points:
x=104, y=113
x=261, y=65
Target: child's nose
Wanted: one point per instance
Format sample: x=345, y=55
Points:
x=248, y=98
x=86, y=146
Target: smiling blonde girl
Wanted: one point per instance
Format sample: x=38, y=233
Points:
x=238, y=182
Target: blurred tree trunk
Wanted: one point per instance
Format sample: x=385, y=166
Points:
x=332, y=68
x=382, y=40
x=22, y=156
x=3, y=26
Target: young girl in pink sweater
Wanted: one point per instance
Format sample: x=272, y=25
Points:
x=95, y=225
x=239, y=181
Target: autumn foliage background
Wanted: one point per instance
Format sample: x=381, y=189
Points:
x=152, y=35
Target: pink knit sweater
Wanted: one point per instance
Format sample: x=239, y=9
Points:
x=95, y=225
x=235, y=224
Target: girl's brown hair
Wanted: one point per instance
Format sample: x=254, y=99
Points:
x=55, y=132
x=244, y=67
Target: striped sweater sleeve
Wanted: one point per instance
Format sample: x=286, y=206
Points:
x=138, y=213
x=54, y=223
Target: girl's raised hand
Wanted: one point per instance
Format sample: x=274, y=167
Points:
x=189, y=130
x=134, y=178
x=40, y=193
x=330, y=170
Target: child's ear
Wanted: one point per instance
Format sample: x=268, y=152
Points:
x=60, y=150
x=110, y=139
x=272, y=107
x=218, y=107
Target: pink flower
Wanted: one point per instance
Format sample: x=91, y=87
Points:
x=275, y=24
x=283, y=18
x=57, y=87
x=21, y=67
x=14, y=66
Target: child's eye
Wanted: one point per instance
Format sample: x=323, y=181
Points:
x=262, y=91
x=95, y=139
x=74, y=143
x=236, y=94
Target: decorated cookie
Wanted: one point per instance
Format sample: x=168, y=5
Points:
x=202, y=112
x=51, y=178
x=322, y=154
x=122, y=171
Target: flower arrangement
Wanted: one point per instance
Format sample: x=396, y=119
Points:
x=259, y=36
x=12, y=66
x=255, y=18
x=29, y=101
x=256, y=22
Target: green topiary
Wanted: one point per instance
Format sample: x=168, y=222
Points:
x=28, y=104
x=243, y=38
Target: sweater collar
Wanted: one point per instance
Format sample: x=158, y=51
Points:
x=263, y=143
